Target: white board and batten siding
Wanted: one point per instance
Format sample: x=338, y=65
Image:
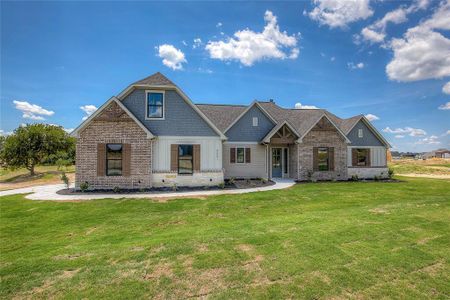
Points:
x=210, y=152
x=377, y=155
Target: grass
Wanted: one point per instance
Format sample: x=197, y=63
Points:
x=429, y=166
x=323, y=240
x=10, y=179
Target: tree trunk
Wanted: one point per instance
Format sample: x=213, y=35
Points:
x=31, y=169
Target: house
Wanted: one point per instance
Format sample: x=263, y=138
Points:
x=153, y=135
x=439, y=153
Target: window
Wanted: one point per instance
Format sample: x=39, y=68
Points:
x=114, y=159
x=240, y=155
x=323, y=159
x=255, y=121
x=362, y=157
x=155, y=105
x=360, y=133
x=185, y=159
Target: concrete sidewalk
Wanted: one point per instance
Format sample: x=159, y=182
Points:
x=48, y=192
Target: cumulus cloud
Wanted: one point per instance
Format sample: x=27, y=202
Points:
x=248, y=47
x=172, y=57
x=298, y=105
x=339, y=13
x=371, y=117
x=197, y=43
x=446, y=88
x=423, y=52
x=376, y=32
x=88, y=109
x=431, y=140
x=445, y=106
x=353, y=66
x=32, y=111
x=219, y=24
x=407, y=130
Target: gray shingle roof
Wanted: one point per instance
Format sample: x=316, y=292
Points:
x=221, y=115
x=155, y=79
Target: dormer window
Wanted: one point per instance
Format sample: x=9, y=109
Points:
x=360, y=133
x=155, y=105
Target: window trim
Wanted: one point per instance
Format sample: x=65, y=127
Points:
x=328, y=159
x=121, y=159
x=163, y=92
x=255, y=122
x=360, y=133
x=192, y=160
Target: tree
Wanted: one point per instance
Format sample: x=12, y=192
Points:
x=29, y=144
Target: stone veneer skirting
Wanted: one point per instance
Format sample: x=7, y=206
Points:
x=368, y=173
x=170, y=179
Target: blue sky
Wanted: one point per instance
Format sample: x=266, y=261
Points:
x=387, y=59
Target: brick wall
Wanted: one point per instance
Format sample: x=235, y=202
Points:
x=113, y=125
x=323, y=137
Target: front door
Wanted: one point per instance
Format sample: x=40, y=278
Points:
x=277, y=169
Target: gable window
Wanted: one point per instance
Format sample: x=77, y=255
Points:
x=361, y=157
x=155, y=105
x=114, y=159
x=360, y=133
x=185, y=159
x=255, y=121
x=323, y=161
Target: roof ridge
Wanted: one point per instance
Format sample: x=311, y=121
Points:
x=219, y=104
x=159, y=76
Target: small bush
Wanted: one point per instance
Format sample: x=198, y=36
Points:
x=355, y=178
x=231, y=181
x=116, y=189
x=376, y=178
x=391, y=172
x=174, y=187
x=65, y=179
x=263, y=181
x=221, y=185
x=84, y=186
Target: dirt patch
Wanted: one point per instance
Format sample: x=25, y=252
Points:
x=433, y=269
x=323, y=277
x=161, y=269
x=379, y=210
x=427, y=239
x=202, y=248
x=91, y=230
x=69, y=256
x=434, y=176
x=244, y=247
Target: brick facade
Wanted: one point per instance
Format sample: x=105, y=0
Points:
x=113, y=125
x=322, y=135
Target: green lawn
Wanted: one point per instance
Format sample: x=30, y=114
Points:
x=324, y=240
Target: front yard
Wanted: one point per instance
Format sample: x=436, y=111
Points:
x=324, y=240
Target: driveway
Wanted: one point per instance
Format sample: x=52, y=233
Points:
x=48, y=192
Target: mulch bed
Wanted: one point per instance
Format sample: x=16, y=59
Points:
x=229, y=185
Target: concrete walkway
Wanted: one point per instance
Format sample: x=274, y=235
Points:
x=48, y=192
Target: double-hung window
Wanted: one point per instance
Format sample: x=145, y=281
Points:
x=240, y=155
x=114, y=159
x=155, y=105
x=185, y=159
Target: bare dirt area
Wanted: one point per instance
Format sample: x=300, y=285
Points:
x=438, y=168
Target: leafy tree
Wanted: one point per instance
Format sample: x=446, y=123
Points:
x=30, y=144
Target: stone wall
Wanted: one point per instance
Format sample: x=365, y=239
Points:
x=325, y=136
x=113, y=125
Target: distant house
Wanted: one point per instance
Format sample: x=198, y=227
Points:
x=153, y=135
x=440, y=153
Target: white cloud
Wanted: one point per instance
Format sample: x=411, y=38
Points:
x=407, y=130
x=352, y=66
x=339, y=13
x=219, y=24
x=447, y=133
x=371, y=117
x=298, y=105
x=446, y=88
x=197, y=43
x=431, y=140
x=445, y=106
x=172, y=57
x=184, y=42
x=32, y=111
x=332, y=58
x=399, y=136
x=249, y=47
x=4, y=133
x=88, y=109
x=207, y=71
x=376, y=32
x=422, y=53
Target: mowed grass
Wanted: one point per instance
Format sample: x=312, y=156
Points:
x=324, y=240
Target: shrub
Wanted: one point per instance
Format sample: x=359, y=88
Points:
x=231, y=181
x=174, y=187
x=221, y=185
x=116, y=189
x=65, y=179
x=263, y=181
x=391, y=172
x=84, y=186
x=376, y=178
x=355, y=178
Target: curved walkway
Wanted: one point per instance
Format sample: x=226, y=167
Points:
x=48, y=192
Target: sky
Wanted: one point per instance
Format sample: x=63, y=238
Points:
x=387, y=60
